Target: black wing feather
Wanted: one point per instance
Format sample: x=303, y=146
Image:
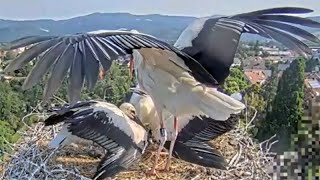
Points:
x=202, y=154
x=279, y=10
x=291, y=19
x=90, y=52
x=289, y=28
x=206, y=129
x=43, y=64
x=192, y=144
x=216, y=44
x=59, y=71
x=29, y=55
x=296, y=44
x=76, y=75
x=91, y=65
x=25, y=41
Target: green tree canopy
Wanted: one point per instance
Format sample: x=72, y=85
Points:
x=236, y=81
x=311, y=64
x=287, y=106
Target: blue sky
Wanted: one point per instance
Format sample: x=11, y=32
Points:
x=62, y=9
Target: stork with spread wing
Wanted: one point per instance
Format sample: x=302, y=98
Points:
x=181, y=79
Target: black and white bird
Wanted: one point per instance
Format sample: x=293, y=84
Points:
x=193, y=135
x=181, y=79
x=116, y=130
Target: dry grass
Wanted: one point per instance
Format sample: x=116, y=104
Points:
x=32, y=160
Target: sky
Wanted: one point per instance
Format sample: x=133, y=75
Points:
x=64, y=9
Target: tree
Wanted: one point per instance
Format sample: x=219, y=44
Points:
x=11, y=106
x=113, y=87
x=287, y=106
x=311, y=64
x=270, y=88
x=236, y=81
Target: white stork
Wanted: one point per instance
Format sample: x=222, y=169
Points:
x=180, y=79
x=194, y=133
x=117, y=131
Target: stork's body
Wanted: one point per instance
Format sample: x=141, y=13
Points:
x=116, y=130
x=168, y=81
x=199, y=130
x=165, y=77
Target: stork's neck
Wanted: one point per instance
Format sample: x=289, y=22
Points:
x=137, y=59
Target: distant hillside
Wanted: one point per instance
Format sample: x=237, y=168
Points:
x=162, y=26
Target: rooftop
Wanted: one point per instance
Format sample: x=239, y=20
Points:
x=256, y=76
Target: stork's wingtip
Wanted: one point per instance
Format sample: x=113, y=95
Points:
x=306, y=10
x=310, y=10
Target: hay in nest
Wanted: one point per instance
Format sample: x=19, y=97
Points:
x=32, y=159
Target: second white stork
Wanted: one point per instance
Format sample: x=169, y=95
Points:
x=116, y=130
x=193, y=135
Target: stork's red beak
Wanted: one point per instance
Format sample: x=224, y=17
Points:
x=131, y=64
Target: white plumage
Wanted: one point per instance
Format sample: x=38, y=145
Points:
x=148, y=115
x=172, y=87
x=64, y=138
x=165, y=77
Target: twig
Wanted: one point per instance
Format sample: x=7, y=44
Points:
x=253, y=117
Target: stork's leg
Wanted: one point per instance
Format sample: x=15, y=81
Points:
x=167, y=168
x=163, y=140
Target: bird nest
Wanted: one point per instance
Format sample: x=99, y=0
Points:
x=31, y=159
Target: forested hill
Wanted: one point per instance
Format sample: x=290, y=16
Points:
x=162, y=26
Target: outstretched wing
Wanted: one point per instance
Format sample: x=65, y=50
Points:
x=213, y=41
x=203, y=154
x=192, y=144
x=80, y=56
x=204, y=129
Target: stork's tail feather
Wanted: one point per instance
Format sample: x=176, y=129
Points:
x=65, y=114
x=200, y=155
x=219, y=128
x=62, y=114
x=58, y=117
x=217, y=105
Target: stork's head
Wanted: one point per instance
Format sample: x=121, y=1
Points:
x=129, y=110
